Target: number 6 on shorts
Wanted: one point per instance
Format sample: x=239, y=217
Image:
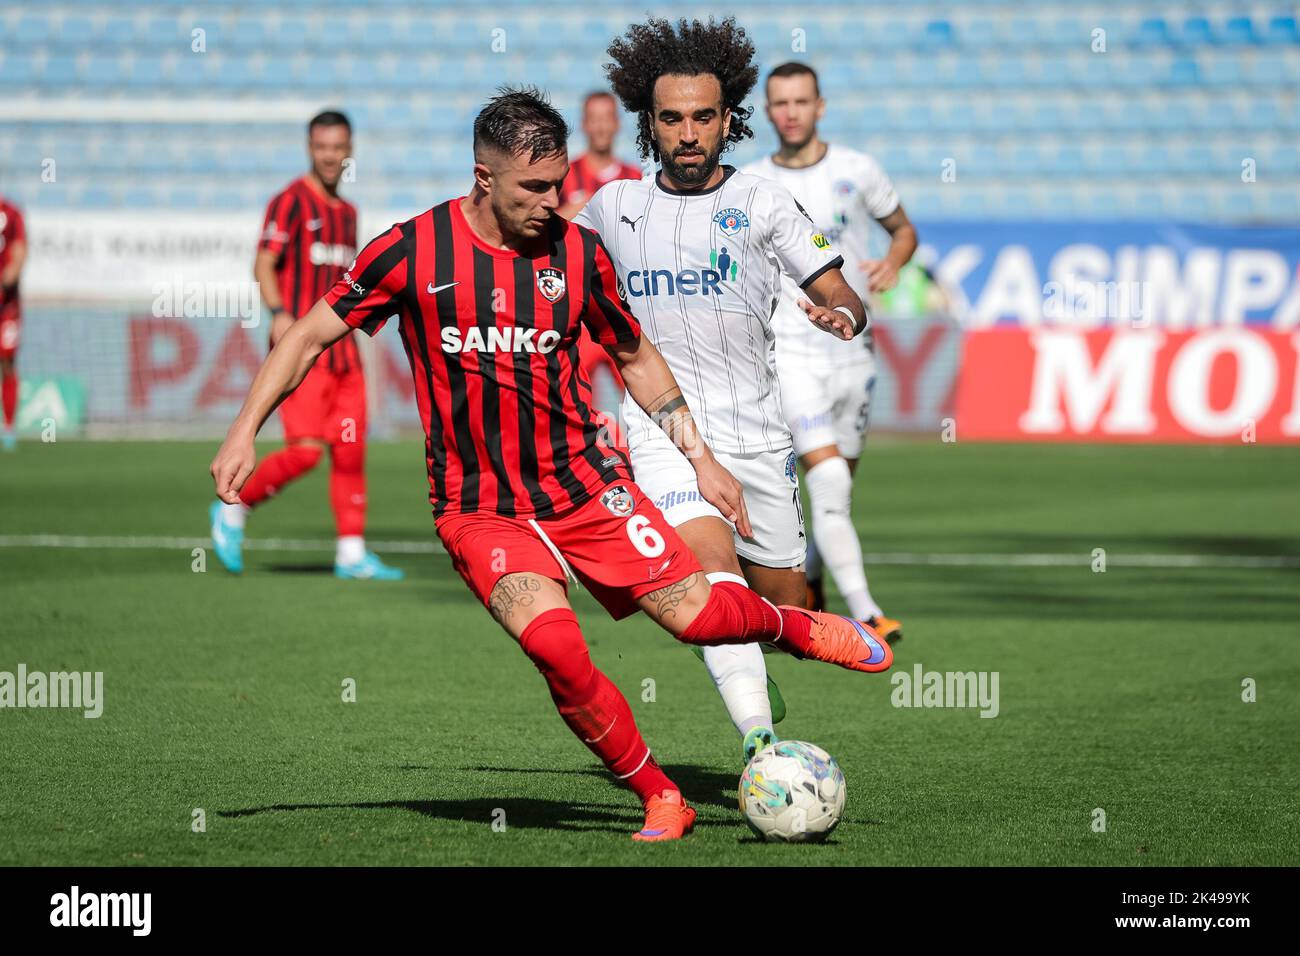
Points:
x=643, y=537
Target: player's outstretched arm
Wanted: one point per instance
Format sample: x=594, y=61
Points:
x=650, y=382
x=282, y=372
x=835, y=307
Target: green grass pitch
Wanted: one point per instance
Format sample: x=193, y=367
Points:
x=1119, y=690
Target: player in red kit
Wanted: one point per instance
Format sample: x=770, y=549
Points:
x=308, y=239
x=593, y=169
x=13, y=253
x=490, y=291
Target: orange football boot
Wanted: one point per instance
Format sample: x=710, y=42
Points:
x=846, y=642
x=886, y=627
x=667, y=817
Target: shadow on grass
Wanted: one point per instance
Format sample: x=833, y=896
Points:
x=298, y=568
x=702, y=786
x=525, y=812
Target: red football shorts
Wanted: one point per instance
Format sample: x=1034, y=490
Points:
x=618, y=545
x=328, y=406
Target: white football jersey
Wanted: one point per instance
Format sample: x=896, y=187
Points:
x=845, y=192
x=702, y=272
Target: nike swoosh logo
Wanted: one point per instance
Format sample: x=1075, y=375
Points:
x=877, y=652
x=434, y=291
x=313, y=224
x=662, y=567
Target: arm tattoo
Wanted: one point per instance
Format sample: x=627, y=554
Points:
x=666, y=599
x=512, y=591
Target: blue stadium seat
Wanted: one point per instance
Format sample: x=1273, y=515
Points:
x=1153, y=31
x=60, y=70
x=102, y=71
x=937, y=34
x=33, y=29
x=1197, y=32
x=119, y=33
x=1282, y=30
x=18, y=70
x=1239, y=30
x=149, y=72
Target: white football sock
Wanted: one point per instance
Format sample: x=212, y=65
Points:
x=351, y=549
x=739, y=674
x=234, y=515
x=830, y=486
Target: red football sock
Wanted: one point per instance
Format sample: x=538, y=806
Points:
x=348, y=487
x=9, y=397
x=590, y=703
x=277, y=470
x=736, y=615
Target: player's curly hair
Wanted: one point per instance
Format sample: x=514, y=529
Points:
x=651, y=49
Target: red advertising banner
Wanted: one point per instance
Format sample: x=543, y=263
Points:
x=1222, y=384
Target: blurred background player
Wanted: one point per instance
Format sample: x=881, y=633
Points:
x=13, y=253
x=524, y=488
x=701, y=248
x=308, y=239
x=826, y=383
x=593, y=169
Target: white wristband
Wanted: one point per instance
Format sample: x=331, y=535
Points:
x=853, y=319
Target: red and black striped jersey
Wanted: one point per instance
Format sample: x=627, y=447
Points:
x=12, y=230
x=314, y=238
x=492, y=338
x=585, y=178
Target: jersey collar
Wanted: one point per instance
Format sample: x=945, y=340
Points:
x=727, y=173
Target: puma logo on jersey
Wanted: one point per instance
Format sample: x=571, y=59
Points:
x=632, y=222
x=509, y=339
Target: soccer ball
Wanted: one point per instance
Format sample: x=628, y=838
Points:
x=792, y=792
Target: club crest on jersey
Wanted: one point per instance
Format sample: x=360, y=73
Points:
x=619, y=501
x=550, y=282
x=731, y=221
x=789, y=469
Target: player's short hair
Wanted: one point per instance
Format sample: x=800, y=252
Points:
x=596, y=95
x=329, y=118
x=795, y=69
x=652, y=49
x=520, y=119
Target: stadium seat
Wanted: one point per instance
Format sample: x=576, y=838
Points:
x=1153, y=31
x=1197, y=32
x=33, y=29
x=1239, y=30
x=1282, y=30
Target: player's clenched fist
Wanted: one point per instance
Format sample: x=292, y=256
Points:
x=721, y=489
x=834, y=321
x=232, y=466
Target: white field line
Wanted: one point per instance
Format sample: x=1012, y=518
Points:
x=1040, y=560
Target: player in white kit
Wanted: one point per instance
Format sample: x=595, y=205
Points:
x=701, y=250
x=826, y=383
